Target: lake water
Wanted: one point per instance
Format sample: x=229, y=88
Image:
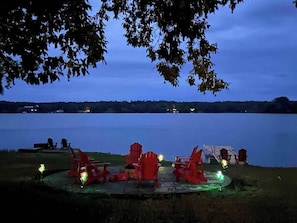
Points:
x=270, y=139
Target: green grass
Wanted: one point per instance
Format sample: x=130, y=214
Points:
x=256, y=194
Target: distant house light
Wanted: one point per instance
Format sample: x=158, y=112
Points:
x=31, y=108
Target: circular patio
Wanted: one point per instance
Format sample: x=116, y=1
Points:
x=168, y=184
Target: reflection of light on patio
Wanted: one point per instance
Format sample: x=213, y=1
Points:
x=204, y=187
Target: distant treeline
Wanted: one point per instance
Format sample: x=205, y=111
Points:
x=277, y=105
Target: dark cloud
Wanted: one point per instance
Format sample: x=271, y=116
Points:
x=257, y=48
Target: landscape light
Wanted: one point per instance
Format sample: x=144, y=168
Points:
x=160, y=158
x=83, y=177
x=224, y=164
x=41, y=169
x=220, y=176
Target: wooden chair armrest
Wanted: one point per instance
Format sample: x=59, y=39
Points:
x=180, y=164
x=182, y=158
x=101, y=163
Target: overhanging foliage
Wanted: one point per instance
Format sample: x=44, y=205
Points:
x=41, y=41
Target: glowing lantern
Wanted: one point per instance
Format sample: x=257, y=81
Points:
x=224, y=164
x=220, y=176
x=160, y=158
x=83, y=177
x=41, y=168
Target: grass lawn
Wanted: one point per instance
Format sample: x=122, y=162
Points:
x=256, y=194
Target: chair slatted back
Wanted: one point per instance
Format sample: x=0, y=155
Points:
x=84, y=158
x=224, y=154
x=242, y=155
x=149, y=166
x=194, y=160
x=135, y=153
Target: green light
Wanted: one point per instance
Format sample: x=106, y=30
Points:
x=41, y=168
x=83, y=177
x=220, y=176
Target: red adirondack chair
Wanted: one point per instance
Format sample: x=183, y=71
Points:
x=241, y=158
x=191, y=170
x=224, y=155
x=85, y=159
x=76, y=162
x=134, y=155
x=91, y=173
x=82, y=164
x=147, y=168
x=95, y=169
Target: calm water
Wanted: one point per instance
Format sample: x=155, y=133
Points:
x=270, y=139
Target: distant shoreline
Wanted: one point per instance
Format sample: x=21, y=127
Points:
x=281, y=105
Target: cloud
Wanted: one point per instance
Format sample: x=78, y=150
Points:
x=257, y=50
